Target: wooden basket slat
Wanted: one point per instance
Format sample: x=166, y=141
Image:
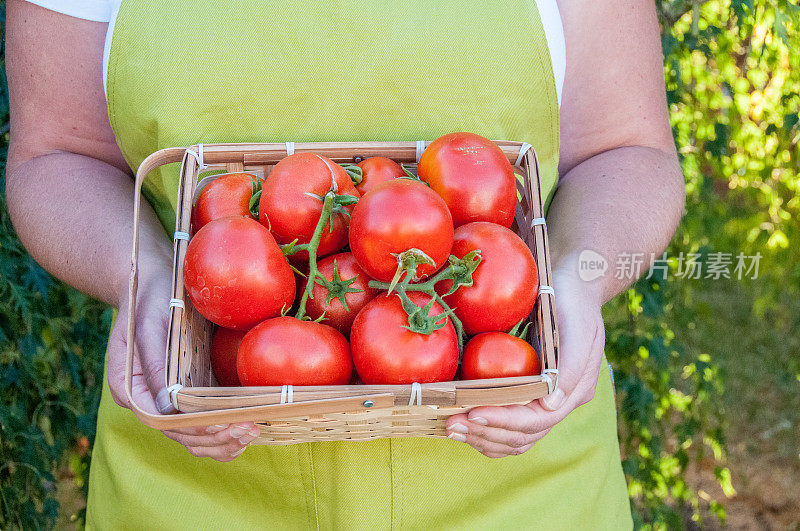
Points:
x=190, y=334
x=426, y=387
x=460, y=396
x=264, y=154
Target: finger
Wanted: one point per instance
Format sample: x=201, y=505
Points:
x=508, y=438
x=203, y=430
x=151, y=343
x=140, y=390
x=578, y=363
x=490, y=448
x=117, y=348
x=516, y=418
x=148, y=360
x=224, y=453
x=493, y=455
x=581, y=341
x=202, y=438
x=561, y=404
x=580, y=353
x=164, y=401
x=116, y=381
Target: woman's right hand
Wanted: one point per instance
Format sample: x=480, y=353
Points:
x=220, y=442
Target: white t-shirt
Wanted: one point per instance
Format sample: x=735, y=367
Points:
x=106, y=11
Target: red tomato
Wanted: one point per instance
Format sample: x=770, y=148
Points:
x=505, y=284
x=235, y=273
x=288, y=351
x=227, y=195
x=335, y=313
x=396, y=216
x=498, y=355
x=377, y=170
x=473, y=176
x=224, y=349
x=289, y=213
x=385, y=352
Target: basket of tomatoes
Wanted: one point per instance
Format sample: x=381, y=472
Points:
x=353, y=290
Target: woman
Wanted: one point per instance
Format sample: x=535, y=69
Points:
x=179, y=73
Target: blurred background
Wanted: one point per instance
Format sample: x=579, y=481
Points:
x=707, y=370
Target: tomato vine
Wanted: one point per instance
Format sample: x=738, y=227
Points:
x=459, y=270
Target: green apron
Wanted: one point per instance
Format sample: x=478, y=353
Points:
x=182, y=73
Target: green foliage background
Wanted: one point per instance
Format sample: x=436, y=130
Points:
x=695, y=361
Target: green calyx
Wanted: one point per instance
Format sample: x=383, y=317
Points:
x=407, y=262
x=410, y=175
x=461, y=270
x=255, y=197
x=418, y=319
x=520, y=331
x=292, y=247
x=355, y=172
x=337, y=288
x=340, y=202
x=338, y=206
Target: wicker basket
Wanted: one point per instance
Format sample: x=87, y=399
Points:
x=287, y=414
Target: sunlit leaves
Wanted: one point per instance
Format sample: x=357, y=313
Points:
x=732, y=75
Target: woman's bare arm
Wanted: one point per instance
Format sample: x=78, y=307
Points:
x=69, y=189
x=70, y=196
x=621, y=188
x=621, y=191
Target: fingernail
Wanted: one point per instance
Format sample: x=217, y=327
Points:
x=237, y=431
x=216, y=428
x=238, y=452
x=457, y=437
x=255, y=432
x=479, y=420
x=164, y=403
x=459, y=428
x=553, y=401
x=246, y=439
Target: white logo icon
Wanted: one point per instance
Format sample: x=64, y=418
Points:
x=591, y=265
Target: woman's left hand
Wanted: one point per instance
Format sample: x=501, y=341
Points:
x=499, y=431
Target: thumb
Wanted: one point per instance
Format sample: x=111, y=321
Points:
x=152, y=323
x=554, y=400
x=164, y=402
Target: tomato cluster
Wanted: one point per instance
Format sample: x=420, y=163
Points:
x=322, y=267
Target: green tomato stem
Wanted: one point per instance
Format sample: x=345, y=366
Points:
x=312, y=246
x=456, y=323
x=428, y=287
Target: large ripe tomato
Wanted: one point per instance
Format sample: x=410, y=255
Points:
x=235, y=273
x=473, y=176
x=505, y=284
x=227, y=195
x=224, y=349
x=498, y=355
x=335, y=313
x=386, y=352
x=288, y=351
x=396, y=216
x=377, y=170
x=289, y=212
